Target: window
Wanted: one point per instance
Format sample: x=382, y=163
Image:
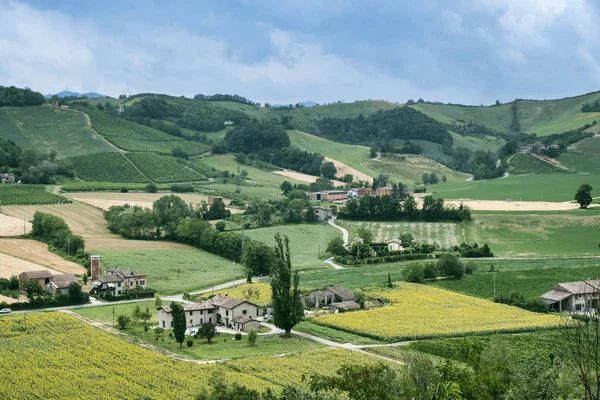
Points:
x=163, y=324
x=201, y=321
x=118, y=292
x=577, y=307
x=210, y=320
x=244, y=311
x=119, y=284
x=171, y=324
x=226, y=312
x=191, y=313
x=191, y=321
x=142, y=283
x=210, y=311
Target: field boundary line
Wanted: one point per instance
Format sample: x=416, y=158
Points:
x=124, y=154
x=88, y=123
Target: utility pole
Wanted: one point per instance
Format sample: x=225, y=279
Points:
x=494, y=285
x=113, y=317
x=243, y=245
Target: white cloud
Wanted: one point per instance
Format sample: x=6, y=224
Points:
x=49, y=51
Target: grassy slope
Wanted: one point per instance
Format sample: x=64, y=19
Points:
x=535, y=116
x=228, y=163
x=412, y=168
x=477, y=142
x=548, y=187
x=46, y=128
x=173, y=271
x=305, y=242
x=528, y=164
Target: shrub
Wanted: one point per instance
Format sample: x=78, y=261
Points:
x=238, y=336
x=124, y=189
x=252, y=336
x=190, y=343
x=414, y=273
x=151, y=188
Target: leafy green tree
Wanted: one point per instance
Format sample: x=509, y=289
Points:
x=207, y=331
x=135, y=314
x=151, y=188
x=366, y=235
x=336, y=247
x=146, y=315
x=252, y=336
x=32, y=288
x=328, y=170
x=287, y=307
x=389, y=282
x=425, y=178
x=170, y=210
x=286, y=187
x=259, y=257
x=309, y=214
x=75, y=294
x=584, y=195
x=179, y=324
x=157, y=300
x=220, y=226
x=123, y=320
x=217, y=210
x=444, y=179
x=414, y=273
x=450, y=266
x=348, y=178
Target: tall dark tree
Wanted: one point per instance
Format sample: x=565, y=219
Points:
x=584, y=195
x=207, y=331
x=178, y=314
x=328, y=170
x=287, y=307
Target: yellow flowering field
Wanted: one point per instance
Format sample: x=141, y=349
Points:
x=257, y=293
x=420, y=311
x=53, y=355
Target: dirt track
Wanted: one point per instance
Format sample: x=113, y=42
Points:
x=499, y=205
x=343, y=169
x=303, y=177
x=37, y=252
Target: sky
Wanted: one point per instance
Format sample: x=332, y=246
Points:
x=286, y=51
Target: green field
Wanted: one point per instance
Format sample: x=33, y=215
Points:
x=477, y=142
x=163, y=169
x=522, y=163
x=229, y=190
x=255, y=175
x=306, y=240
x=106, y=167
x=430, y=149
x=18, y=194
x=547, y=187
x=542, y=117
x=173, y=271
x=580, y=163
x=46, y=128
x=412, y=168
x=589, y=147
x=444, y=233
x=530, y=282
x=133, y=137
x=106, y=186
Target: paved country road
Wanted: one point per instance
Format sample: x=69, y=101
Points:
x=331, y=222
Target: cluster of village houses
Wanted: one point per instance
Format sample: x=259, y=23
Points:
x=537, y=147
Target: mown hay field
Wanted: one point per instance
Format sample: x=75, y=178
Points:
x=52, y=355
x=419, y=311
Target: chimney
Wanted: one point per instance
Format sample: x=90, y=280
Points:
x=95, y=266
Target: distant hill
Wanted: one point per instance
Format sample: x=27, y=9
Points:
x=308, y=103
x=67, y=93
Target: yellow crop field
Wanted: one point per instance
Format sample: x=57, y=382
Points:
x=53, y=355
x=419, y=311
x=257, y=293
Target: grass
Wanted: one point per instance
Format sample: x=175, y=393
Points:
x=442, y=233
x=229, y=190
x=519, y=346
x=46, y=128
x=588, y=147
x=530, y=187
x=497, y=118
x=106, y=167
x=477, y=142
x=580, y=163
x=334, y=335
x=104, y=314
x=528, y=164
x=255, y=175
x=411, y=168
x=536, y=234
x=173, y=271
x=530, y=282
x=306, y=240
x=17, y=194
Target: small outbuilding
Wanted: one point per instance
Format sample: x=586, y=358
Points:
x=395, y=245
x=244, y=324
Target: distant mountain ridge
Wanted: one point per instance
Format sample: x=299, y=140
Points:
x=67, y=93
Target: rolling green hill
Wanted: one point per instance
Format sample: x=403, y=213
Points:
x=409, y=168
x=529, y=164
x=542, y=117
x=45, y=128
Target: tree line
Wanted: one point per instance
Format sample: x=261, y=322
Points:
x=30, y=166
x=17, y=97
x=386, y=208
x=591, y=107
x=270, y=143
x=236, y=98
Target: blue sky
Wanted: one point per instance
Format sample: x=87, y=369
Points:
x=461, y=51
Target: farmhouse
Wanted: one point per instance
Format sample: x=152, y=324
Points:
x=115, y=281
x=357, y=193
x=395, y=245
x=7, y=178
x=336, y=296
x=573, y=296
x=525, y=149
x=43, y=277
x=383, y=191
x=60, y=284
x=223, y=310
x=330, y=195
x=323, y=213
x=228, y=123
